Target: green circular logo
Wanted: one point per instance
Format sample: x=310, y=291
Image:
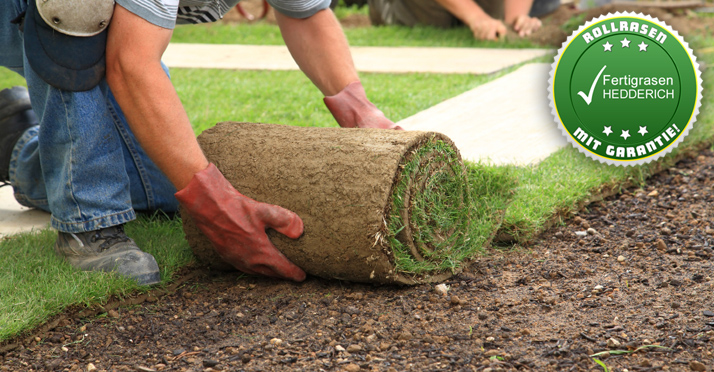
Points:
x=625, y=88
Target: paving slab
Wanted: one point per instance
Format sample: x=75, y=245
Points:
x=505, y=121
x=15, y=218
x=367, y=59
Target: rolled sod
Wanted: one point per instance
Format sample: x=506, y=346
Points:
x=378, y=206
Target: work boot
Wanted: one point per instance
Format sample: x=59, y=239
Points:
x=108, y=250
x=16, y=116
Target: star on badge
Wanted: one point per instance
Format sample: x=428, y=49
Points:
x=607, y=131
x=625, y=43
x=643, y=131
x=643, y=46
x=608, y=46
x=625, y=134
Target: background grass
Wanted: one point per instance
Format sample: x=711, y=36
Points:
x=35, y=284
x=288, y=97
x=262, y=33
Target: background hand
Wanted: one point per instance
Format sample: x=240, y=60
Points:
x=487, y=29
x=525, y=25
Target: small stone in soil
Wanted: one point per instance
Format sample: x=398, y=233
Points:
x=178, y=352
x=210, y=363
x=708, y=313
x=354, y=348
x=697, y=366
x=351, y=367
x=404, y=336
x=442, y=289
x=581, y=233
x=492, y=352
x=613, y=343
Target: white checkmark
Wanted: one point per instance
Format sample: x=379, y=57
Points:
x=588, y=98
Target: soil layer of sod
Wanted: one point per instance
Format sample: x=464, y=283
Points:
x=378, y=206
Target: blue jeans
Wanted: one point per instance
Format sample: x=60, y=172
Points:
x=82, y=163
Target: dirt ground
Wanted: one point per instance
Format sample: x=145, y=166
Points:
x=630, y=271
x=627, y=273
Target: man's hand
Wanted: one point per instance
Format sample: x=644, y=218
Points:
x=525, y=25
x=236, y=224
x=487, y=28
x=352, y=109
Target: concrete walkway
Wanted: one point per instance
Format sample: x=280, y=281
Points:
x=367, y=59
x=15, y=218
x=505, y=121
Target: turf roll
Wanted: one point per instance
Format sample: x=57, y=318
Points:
x=378, y=206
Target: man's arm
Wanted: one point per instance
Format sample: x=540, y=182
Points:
x=147, y=97
x=234, y=223
x=320, y=48
x=481, y=24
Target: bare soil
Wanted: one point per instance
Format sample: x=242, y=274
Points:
x=630, y=271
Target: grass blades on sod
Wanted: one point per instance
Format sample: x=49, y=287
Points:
x=441, y=214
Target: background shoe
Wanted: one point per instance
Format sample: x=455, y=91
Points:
x=108, y=250
x=16, y=116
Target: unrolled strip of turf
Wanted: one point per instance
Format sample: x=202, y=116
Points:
x=378, y=206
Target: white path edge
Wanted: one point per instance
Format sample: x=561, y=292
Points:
x=15, y=218
x=505, y=121
x=367, y=59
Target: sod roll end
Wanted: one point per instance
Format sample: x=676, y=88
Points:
x=378, y=206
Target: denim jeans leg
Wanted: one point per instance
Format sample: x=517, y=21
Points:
x=85, y=181
x=82, y=163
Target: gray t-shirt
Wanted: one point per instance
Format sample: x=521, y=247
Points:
x=167, y=13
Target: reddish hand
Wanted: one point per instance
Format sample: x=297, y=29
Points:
x=236, y=224
x=352, y=109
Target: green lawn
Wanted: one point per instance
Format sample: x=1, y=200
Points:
x=266, y=34
x=35, y=284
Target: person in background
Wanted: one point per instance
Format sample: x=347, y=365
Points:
x=487, y=19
